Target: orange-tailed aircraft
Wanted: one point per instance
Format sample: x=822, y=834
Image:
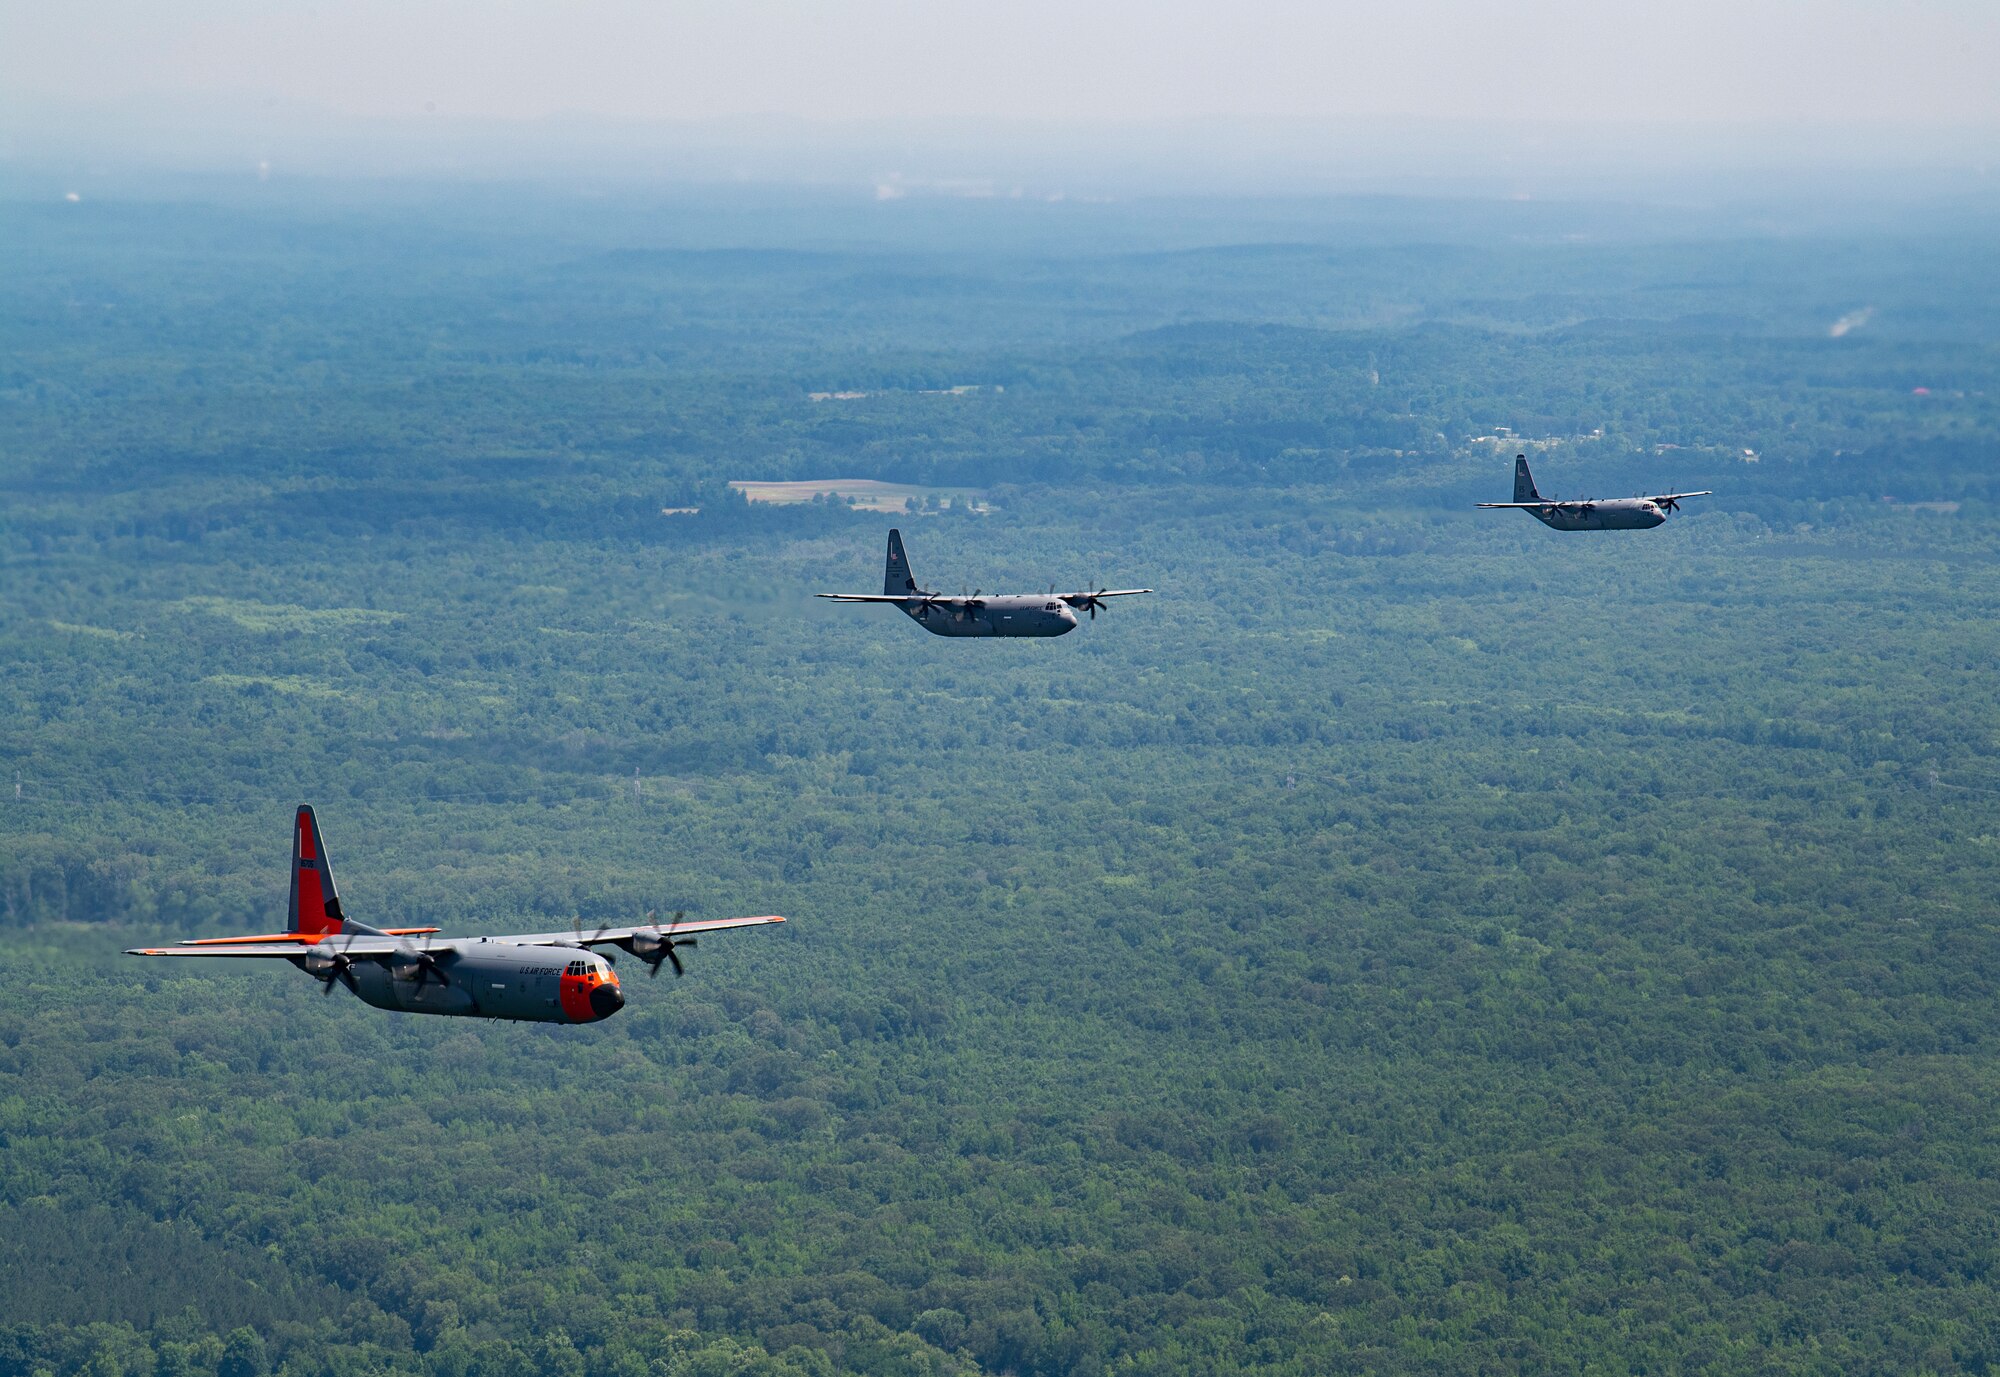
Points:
x=537, y=977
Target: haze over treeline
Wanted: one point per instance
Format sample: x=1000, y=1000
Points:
x=1846, y=164
x=1114, y=98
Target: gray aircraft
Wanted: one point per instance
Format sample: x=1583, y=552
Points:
x=1594, y=514
x=536, y=977
x=976, y=613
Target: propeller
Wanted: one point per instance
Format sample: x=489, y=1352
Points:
x=1081, y=601
x=327, y=967
x=576, y=926
x=653, y=946
x=1669, y=503
x=417, y=966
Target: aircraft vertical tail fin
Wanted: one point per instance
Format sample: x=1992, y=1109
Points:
x=315, y=901
x=1524, y=482
x=896, y=577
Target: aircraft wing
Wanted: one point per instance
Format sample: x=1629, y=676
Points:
x=291, y=946
x=1676, y=496
x=887, y=597
x=612, y=937
x=301, y=939
x=288, y=951
x=1105, y=593
x=1521, y=504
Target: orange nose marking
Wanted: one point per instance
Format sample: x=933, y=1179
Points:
x=574, y=996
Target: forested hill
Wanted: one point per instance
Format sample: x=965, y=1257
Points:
x=1411, y=940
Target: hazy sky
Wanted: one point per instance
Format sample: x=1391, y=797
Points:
x=1668, y=61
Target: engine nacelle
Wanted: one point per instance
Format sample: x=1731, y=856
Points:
x=322, y=965
x=648, y=944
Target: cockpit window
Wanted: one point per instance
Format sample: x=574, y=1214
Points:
x=1052, y=607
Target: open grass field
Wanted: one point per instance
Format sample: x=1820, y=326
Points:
x=863, y=494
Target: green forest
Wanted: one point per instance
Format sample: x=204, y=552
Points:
x=1410, y=941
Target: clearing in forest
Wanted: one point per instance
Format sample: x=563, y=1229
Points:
x=866, y=494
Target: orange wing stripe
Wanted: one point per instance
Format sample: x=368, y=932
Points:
x=302, y=938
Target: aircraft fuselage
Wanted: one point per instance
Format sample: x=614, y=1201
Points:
x=494, y=979
x=1590, y=514
x=1609, y=514
x=1010, y=614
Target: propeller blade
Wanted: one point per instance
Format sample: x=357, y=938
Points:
x=664, y=953
x=338, y=965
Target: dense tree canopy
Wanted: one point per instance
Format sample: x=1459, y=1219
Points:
x=1411, y=941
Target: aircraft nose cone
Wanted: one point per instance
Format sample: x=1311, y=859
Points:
x=606, y=1000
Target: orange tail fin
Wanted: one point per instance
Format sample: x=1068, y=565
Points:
x=315, y=901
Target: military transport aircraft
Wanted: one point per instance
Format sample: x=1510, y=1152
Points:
x=537, y=977
x=976, y=614
x=1596, y=514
